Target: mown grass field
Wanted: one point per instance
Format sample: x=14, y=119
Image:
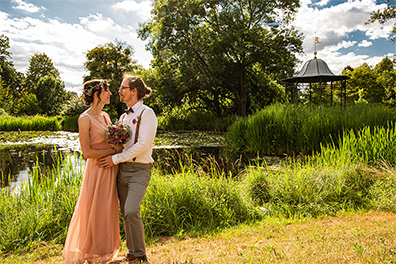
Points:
x=360, y=237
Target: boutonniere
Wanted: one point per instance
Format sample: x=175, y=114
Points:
x=135, y=120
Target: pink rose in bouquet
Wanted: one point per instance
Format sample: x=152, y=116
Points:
x=117, y=133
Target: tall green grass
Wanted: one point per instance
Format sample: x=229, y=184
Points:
x=187, y=204
x=356, y=173
x=35, y=123
x=309, y=190
x=41, y=208
x=70, y=123
x=370, y=145
x=280, y=129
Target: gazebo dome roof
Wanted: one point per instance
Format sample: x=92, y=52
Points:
x=315, y=70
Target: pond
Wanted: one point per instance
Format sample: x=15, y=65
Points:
x=204, y=151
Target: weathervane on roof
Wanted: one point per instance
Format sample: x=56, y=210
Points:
x=316, y=42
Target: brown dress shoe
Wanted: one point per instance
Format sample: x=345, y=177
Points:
x=128, y=257
x=132, y=259
x=142, y=259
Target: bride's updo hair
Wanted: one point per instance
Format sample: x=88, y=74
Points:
x=93, y=86
x=143, y=91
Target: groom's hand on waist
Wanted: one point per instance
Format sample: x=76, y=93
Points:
x=106, y=162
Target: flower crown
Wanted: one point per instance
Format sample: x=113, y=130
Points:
x=89, y=90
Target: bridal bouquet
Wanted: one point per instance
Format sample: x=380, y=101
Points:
x=117, y=134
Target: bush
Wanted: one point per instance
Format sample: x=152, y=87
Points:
x=70, y=123
x=35, y=123
x=71, y=113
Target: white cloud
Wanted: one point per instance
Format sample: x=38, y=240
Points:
x=347, y=44
x=27, y=7
x=331, y=25
x=102, y=25
x=337, y=27
x=322, y=3
x=365, y=43
x=142, y=9
x=66, y=44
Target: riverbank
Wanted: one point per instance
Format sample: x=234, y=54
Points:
x=360, y=237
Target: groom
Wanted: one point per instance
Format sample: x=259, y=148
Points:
x=135, y=162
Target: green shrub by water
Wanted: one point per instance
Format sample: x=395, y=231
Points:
x=280, y=129
x=70, y=123
x=35, y=123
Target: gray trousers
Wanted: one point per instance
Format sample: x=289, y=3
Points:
x=132, y=182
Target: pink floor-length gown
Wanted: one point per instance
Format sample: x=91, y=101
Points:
x=93, y=233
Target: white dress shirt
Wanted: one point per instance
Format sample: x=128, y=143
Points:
x=143, y=148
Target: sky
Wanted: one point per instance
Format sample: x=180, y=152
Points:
x=66, y=29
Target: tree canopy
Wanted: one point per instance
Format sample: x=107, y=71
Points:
x=9, y=77
x=372, y=84
x=40, y=65
x=222, y=55
x=109, y=62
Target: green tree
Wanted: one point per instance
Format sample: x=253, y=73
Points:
x=51, y=95
x=364, y=86
x=386, y=77
x=384, y=15
x=40, y=65
x=9, y=78
x=27, y=104
x=109, y=62
x=43, y=80
x=213, y=53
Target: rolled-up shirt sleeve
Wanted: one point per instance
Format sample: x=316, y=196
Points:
x=143, y=148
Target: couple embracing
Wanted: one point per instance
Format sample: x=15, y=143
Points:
x=112, y=174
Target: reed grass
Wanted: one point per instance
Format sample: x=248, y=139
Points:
x=184, y=204
x=286, y=129
x=41, y=208
x=371, y=146
x=35, y=123
x=357, y=173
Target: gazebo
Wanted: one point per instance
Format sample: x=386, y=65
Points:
x=316, y=71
